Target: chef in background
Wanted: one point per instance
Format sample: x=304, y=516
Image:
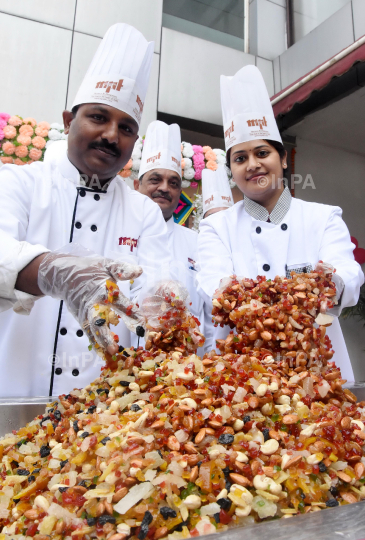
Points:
x=160, y=180
x=216, y=191
x=269, y=233
x=52, y=213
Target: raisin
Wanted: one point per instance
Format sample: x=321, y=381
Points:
x=146, y=521
x=91, y=409
x=224, y=503
x=100, y=322
x=63, y=489
x=121, y=348
x=83, y=483
x=106, y=519
x=246, y=419
x=226, y=438
x=84, y=435
x=126, y=354
x=331, y=503
x=322, y=467
x=105, y=440
x=160, y=453
x=217, y=517
x=23, y=472
x=334, y=491
x=44, y=419
x=136, y=408
x=140, y=331
x=226, y=471
x=124, y=383
x=91, y=521
x=228, y=484
x=57, y=414
x=75, y=426
x=31, y=478
x=265, y=433
x=45, y=450
x=63, y=463
x=36, y=471
x=167, y=512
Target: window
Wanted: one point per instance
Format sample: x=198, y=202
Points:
x=220, y=21
x=308, y=14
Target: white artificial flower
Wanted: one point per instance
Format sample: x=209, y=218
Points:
x=48, y=143
x=134, y=175
x=136, y=164
x=232, y=183
x=189, y=173
x=54, y=135
x=187, y=150
x=57, y=126
x=185, y=183
x=137, y=153
x=188, y=163
x=139, y=143
x=221, y=158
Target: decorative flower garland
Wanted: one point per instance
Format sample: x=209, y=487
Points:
x=24, y=141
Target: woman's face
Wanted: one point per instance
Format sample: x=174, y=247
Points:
x=257, y=169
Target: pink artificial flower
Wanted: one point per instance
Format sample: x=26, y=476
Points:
x=212, y=165
x=41, y=131
x=26, y=129
x=18, y=161
x=210, y=155
x=9, y=132
x=206, y=149
x=1, y=134
x=125, y=174
x=38, y=142
x=197, y=149
x=2, y=123
x=21, y=151
x=24, y=139
x=128, y=165
x=194, y=184
x=4, y=116
x=44, y=125
x=35, y=154
x=15, y=121
x=198, y=174
x=30, y=121
x=198, y=159
x=6, y=160
x=8, y=148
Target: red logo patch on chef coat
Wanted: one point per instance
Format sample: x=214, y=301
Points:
x=124, y=241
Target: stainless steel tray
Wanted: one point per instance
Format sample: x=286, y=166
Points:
x=346, y=522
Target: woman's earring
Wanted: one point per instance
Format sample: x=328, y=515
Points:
x=285, y=165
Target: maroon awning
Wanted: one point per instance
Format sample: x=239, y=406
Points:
x=318, y=82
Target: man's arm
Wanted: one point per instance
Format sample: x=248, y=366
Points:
x=27, y=280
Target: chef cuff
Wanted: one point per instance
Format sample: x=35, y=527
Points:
x=340, y=287
x=10, y=266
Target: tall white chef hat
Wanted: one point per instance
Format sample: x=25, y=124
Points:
x=162, y=148
x=216, y=190
x=119, y=72
x=246, y=108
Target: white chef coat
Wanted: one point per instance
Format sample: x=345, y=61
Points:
x=233, y=242
x=183, y=248
x=43, y=207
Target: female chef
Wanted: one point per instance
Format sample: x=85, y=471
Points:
x=269, y=233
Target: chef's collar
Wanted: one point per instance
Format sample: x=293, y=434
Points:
x=69, y=171
x=278, y=213
x=170, y=224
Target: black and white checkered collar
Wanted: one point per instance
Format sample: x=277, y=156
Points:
x=277, y=215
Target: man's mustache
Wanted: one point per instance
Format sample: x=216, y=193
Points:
x=103, y=145
x=162, y=195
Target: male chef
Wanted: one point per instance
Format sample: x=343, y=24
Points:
x=69, y=224
x=160, y=180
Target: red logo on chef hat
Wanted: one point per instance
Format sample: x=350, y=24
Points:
x=359, y=253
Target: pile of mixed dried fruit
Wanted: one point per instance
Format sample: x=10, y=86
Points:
x=164, y=444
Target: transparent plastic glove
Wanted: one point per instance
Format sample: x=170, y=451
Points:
x=165, y=296
x=327, y=268
x=80, y=281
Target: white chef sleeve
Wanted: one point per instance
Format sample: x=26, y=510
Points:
x=337, y=249
x=16, y=188
x=153, y=252
x=215, y=258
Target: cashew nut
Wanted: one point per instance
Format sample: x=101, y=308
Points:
x=309, y=430
x=283, y=400
x=192, y=502
x=265, y=483
x=269, y=447
x=261, y=390
x=241, y=457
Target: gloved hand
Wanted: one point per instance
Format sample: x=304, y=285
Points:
x=80, y=281
x=327, y=268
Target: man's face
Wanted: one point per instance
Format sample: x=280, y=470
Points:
x=100, y=139
x=163, y=187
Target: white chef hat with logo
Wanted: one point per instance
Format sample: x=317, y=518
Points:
x=216, y=190
x=119, y=72
x=162, y=148
x=246, y=108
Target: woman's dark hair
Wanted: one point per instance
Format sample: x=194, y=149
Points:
x=279, y=147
